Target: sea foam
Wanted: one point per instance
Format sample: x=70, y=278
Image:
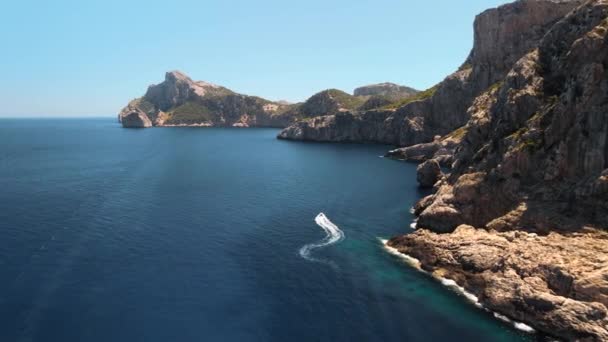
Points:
x=415, y=263
x=334, y=235
x=414, y=224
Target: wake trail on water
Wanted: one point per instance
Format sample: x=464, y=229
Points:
x=334, y=235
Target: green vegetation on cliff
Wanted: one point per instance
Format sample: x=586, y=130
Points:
x=188, y=113
x=423, y=95
x=346, y=100
x=457, y=134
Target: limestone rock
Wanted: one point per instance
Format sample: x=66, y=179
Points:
x=554, y=283
x=540, y=137
x=180, y=101
x=520, y=219
x=502, y=36
x=387, y=90
x=352, y=127
x=428, y=173
x=441, y=149
x=135, y=119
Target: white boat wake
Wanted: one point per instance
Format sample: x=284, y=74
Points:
x=334, y=235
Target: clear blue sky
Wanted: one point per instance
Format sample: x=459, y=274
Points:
x=88, y=58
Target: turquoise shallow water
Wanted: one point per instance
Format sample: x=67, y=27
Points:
x=193, y=234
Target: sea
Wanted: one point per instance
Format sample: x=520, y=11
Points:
x=211, y=234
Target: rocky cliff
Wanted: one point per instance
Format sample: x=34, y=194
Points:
x=180, y=101
x=502, y=36
x=520, y=220
x=390, y=91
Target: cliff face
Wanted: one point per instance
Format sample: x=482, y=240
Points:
x=180, y=101
x=530, y=172
x=345, y=126
x=542, y=131
x=134, y=118
x=502, y=36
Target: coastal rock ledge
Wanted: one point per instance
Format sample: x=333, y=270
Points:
x=556, y=283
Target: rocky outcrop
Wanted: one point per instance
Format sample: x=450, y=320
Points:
x=441, y=149
x=135, y=118
x=428, y=173
x=180, y=101
x=390, y=91
x=418, y=152
x=176, y=90
x=555, y=283
x=352, y=127
x=520, y=219
x=503, y=34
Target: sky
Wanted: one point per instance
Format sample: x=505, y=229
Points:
x=89, y=58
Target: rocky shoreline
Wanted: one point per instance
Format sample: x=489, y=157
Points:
x=453, y=285
x=520, y=218
x=551, y=283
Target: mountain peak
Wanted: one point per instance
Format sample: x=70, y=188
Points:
x=176, y=75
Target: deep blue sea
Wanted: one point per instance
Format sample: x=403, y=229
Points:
x=193, y=234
